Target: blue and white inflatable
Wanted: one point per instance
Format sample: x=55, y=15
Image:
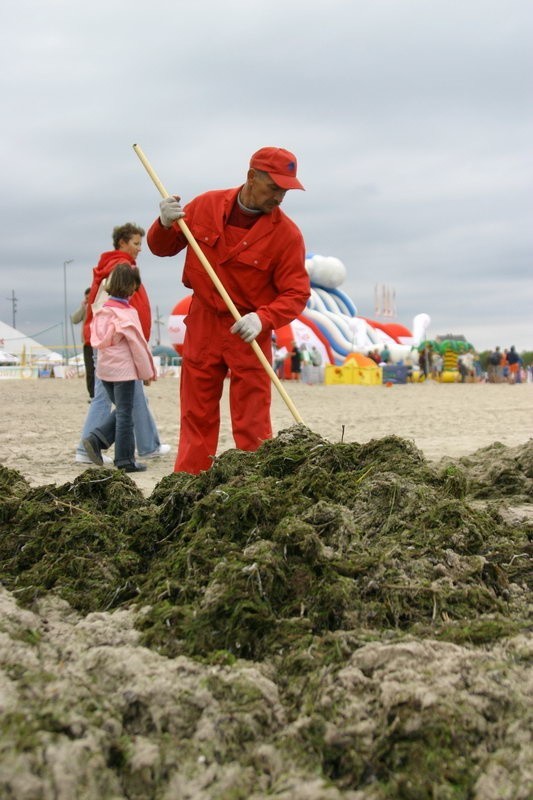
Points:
x=334, y=314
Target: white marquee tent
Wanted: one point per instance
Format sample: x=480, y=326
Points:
x=16, y=343
x=8, y=358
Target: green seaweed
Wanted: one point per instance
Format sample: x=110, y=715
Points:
x=296, y=557
x=301, y=536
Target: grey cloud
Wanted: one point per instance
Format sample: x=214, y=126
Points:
x=412, y=124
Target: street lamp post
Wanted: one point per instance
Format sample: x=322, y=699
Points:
x=70, y=260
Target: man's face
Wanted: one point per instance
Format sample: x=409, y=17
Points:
x=265, y=195
x=132, y=247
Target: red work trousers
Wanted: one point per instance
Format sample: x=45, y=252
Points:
x=210, y=352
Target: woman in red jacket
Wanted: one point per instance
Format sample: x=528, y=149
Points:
x=259, y=255
x=127, y=243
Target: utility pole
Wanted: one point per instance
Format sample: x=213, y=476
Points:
x=13, y=301
x=158, y=322
x=70, y=260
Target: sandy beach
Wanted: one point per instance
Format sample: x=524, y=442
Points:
x=43, y=420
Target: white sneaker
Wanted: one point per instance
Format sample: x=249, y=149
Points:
x=162, y=450
x=83, y=458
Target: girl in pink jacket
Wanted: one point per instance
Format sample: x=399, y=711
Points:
x=123, y=358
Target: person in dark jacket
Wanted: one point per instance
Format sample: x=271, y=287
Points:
x=88, y=358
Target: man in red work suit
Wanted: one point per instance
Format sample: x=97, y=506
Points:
x=259, y=255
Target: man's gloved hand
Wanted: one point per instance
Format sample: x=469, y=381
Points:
x=248, y=327
x=170, y=211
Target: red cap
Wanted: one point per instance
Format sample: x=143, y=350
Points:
x=280, y=165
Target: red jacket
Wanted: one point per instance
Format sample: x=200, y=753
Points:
x=264, y=272
x=107, y=263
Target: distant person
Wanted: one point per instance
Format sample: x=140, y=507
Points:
x=478, y=372
x=306, y=356
x=494, y=366
x=88, y=358
x=316, y=357
x=437, y=365
x=462, y=369
x=127, y=243
x=504, y=367
x=513, y=361
x=375, y=356
x=296, y=362
x=123, y=359
x=468, y=361
x=424, y=362
x=279, y=354
x=385, y=355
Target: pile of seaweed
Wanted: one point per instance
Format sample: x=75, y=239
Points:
x=497, y=471
x=268, y=551
x=379, y=603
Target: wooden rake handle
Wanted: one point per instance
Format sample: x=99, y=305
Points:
x=220, y=287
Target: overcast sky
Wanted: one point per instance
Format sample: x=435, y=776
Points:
x=411, y=121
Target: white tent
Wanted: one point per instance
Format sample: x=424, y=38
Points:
x=49, y=358
x=18, y=344
x=8, y=358
x=76, y=361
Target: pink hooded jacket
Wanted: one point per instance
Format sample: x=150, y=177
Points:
x=123, y=354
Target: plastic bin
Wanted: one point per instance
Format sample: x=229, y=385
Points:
x=395, y=373
x=367, y=376
x=337, y=375
x=311, y=374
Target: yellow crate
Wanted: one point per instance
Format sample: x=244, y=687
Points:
x=336, y=375
x=368, y=376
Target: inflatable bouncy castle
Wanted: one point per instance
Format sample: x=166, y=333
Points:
x=330, y=322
